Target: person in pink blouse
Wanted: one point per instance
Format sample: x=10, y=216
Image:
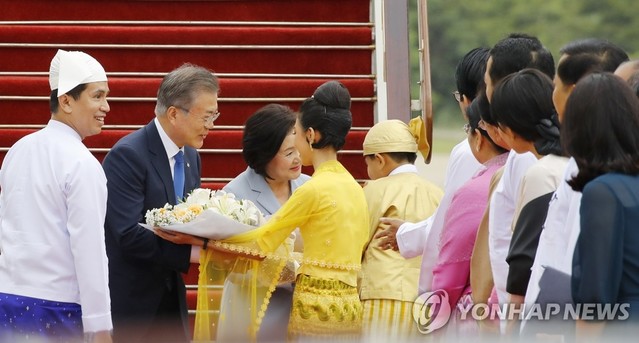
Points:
x=452, y=271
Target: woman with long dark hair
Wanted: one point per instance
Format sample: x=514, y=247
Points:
x=601, y=132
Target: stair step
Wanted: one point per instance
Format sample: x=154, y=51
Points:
x=191, y=277
x=213, y=186
x=217, y=139
x=231, y=88
x=239, y=98
x=33, y=112
x=220, y=145
x=311, y=60
x=243, y=10
x=215, y=297
x=186, y=35
x=191, y=297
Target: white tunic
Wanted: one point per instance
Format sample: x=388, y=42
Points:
x=502, y=211
x=422, y=239
x=52, y=210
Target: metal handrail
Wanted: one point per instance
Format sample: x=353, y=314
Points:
x=194, y=287
x=214, y=312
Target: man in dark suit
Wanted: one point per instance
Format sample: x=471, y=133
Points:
x=148, y=168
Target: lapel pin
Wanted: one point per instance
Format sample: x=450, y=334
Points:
x=188, y=165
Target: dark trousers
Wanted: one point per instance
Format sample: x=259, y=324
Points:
x=166, y=326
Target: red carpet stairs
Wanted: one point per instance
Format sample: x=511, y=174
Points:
x=264, y=51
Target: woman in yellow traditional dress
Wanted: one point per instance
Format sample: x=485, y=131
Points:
x=331, y=212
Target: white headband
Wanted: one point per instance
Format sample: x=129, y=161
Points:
x=72, y=68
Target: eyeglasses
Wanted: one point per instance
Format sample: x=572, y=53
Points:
x=457, y=95
x=208, y=120
x=467, y=128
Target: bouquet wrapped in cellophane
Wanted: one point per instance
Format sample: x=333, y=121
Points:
x=205, y=213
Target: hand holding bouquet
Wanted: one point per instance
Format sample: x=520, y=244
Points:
x=205, y=213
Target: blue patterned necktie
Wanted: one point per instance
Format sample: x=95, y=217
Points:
x=178, y=176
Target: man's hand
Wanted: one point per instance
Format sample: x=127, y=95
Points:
x=177, y=237
x=387, y=238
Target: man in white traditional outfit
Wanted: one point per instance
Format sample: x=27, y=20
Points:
x=53, y=263
x=511, y=54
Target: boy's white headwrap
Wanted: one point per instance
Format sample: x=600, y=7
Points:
x=72, y=68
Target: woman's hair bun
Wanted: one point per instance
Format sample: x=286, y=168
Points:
x=333, y=94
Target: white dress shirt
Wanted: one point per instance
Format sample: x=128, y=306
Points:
x=171, y=150
x=422, y=239
x=169, y=146
x=502, y=211
x=53, y=205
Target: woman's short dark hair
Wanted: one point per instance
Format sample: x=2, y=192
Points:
x=587, y=56
x=522, y=101
x=474, y=113
x=601, y=128
x=74, y=93
x=264, y=132
x=328, y=112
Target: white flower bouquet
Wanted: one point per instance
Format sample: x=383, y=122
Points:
x=205, y=213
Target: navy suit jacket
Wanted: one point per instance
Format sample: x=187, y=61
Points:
x=142, y=266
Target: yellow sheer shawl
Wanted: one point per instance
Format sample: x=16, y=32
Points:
x=253, y=279
x=329, y=200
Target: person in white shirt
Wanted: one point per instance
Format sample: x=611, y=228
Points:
x=509, y=55
x=53, y=262
x=422, y=238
